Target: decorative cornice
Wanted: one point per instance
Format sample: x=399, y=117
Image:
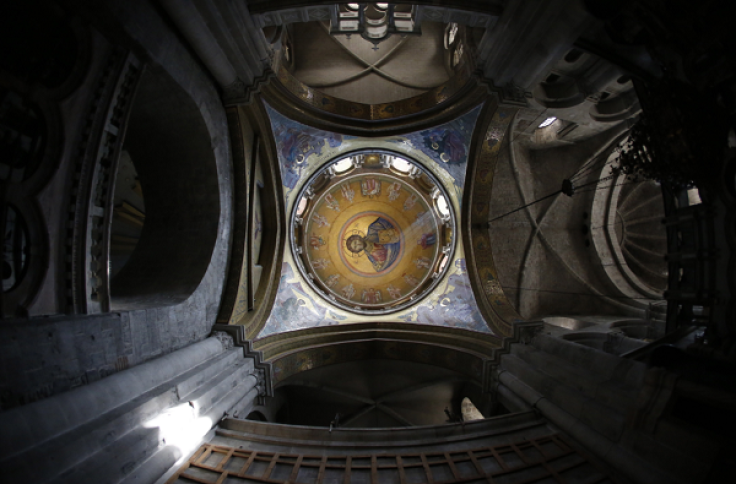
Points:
x=523, y=333
x=240, y=93
x=474, y=354
x=237, y=333
x=509, y=95
x=276, y=345
x=92, y=176
x=451, y=11
x=321, y=13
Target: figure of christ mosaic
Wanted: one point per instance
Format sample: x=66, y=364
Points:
x=381, y=245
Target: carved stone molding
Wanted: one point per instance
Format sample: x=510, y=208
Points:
x=225, y=339
x=93, y=180
x=525, y=333
x=468, y=352
x=240, y=93
x=510, y=95
x=247, y=302
x=263, y=369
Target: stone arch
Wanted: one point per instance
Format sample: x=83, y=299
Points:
x=258, y=230
x=256, y=416
x=488, y=145
x=171, y=149
x=467, y=352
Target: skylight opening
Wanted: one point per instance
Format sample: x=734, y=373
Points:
x=451, y=34
x=693, y=196
x=442, y=206
x=458, y=54
x=442, y=265
x=301, y=207
x=401, y=165
x=547, y=122
x=343, y=165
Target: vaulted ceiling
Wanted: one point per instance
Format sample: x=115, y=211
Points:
x=354, y=69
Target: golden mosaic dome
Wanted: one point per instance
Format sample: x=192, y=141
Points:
x=373, y=232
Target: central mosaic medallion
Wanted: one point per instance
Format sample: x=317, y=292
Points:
x=373, y=232
x=373, y=242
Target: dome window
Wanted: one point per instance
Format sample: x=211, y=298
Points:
x=573, y=56
x=547, y=122
x=401, y=165
x=343, y=165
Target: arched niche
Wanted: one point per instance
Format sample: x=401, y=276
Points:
x=469, y=355
x=558, y=92
x=171, y=148
x=256, y=416
x=379, y=393
x=616, y=108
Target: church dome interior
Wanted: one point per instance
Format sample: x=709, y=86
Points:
x=283, y=241
x=378, y=235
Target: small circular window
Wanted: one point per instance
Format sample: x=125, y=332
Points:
x=372, y=232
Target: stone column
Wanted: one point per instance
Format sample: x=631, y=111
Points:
x=610, y=405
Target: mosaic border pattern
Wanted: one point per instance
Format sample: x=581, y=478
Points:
x=490, y=140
